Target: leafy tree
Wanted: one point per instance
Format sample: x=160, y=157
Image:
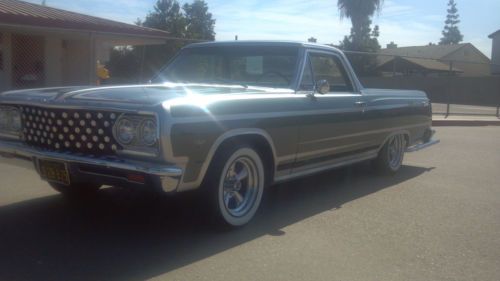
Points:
x=451, y=33
x=191, y=21
x=123, y=65
x=199, y=22
x=362, y=38
x=312, y=40
x=359, y=12
x=167, y=15
x=363, y=64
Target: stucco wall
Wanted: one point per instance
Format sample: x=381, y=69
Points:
x=495, y=55
x=53, y=59
x=75, y=62
x=5, y=73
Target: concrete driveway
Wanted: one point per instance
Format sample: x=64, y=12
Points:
x=438, y=219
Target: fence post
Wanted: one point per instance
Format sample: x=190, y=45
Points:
x=394, y=66
x=450, y=73
x=498, y=104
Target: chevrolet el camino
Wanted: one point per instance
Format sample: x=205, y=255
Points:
x=226, y=118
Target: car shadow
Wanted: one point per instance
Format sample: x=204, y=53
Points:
x=130, y=235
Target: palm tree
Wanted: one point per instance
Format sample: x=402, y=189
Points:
x=359, y=11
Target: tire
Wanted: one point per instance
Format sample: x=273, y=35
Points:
x=234, y=185
x=79, y=190
x=390, y=157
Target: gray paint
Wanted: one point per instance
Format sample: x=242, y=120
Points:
x=306, y=132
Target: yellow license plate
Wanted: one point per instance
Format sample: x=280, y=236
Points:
x=54, y=171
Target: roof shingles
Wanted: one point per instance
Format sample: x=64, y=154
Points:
x=429, y=52
x=24, y=13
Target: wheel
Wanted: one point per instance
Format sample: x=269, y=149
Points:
x=76, y=190
x=235, y=185
x=390, y=157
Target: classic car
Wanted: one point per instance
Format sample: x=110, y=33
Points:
x=227, y=118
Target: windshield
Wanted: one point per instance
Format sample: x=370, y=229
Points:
x=266, y=66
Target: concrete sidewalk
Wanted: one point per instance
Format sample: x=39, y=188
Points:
x=465, y=120
x=463, y=109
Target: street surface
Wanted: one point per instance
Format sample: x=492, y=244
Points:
x=438, y=219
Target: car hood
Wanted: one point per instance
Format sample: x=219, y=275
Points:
x=137, y=95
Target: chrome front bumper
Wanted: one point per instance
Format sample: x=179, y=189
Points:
x=167, y=176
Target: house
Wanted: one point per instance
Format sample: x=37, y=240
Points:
x=461, y=59
x=42, y=46
x=495, y=52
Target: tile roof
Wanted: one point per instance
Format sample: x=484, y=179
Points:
x=17, y=12
x=430, y=51
x=430, y=65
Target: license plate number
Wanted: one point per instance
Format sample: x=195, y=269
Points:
x=54, y=171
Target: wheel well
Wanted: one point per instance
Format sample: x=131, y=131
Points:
x=404, y=133
x=407, y=139
x=260, y=144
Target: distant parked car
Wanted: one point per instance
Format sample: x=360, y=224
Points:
x=227, y=118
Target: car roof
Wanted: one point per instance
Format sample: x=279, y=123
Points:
x=263, y=43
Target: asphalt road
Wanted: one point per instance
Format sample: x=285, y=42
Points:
x=438, y=219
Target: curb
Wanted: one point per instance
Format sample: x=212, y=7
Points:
x=445, y=122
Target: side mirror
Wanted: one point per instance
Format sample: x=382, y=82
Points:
x=322, y=87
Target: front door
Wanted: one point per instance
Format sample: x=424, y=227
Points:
x=332, y=129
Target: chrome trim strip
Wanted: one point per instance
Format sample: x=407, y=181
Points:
x=182, y=120
x=391, y=129
x=10, y=149
x=327, y=151
x=45, y=104
x=420, y=146
x=9, y=136
x=348, y=160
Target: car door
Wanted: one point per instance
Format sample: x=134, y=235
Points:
x=331, y=130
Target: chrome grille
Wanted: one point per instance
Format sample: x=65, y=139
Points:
x=69, y=130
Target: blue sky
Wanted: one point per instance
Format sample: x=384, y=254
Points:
x=407, y=23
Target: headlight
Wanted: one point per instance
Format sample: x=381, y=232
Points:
x=137, y=133
x=10, y=120
x=4, y=119
x=149, y=133
x=126, y=131
x=16, y=121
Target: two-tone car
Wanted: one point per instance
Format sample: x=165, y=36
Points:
x=225, y=118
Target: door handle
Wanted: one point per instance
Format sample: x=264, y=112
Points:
x=360, y=103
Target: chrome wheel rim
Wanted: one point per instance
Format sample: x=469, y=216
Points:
x=395, y=150
x=240, y=186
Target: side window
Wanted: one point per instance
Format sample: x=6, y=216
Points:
x=307, y=83
x=329, y=68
